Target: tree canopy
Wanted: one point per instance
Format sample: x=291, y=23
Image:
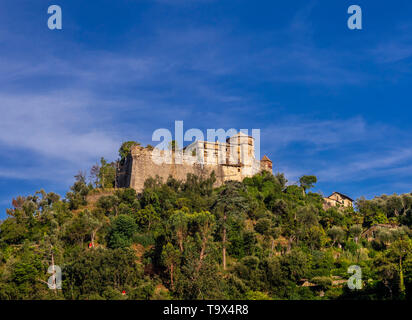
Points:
x=255, y=239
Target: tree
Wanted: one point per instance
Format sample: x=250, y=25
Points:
x=337, y=234
x=307, y=182
x=384, y=236
x=205, y=223
x=174, y=240
x=179, y=222
x=94, y=174
x=122, y=231
x=107, y=174
x=171, y=258
x=80, y=177
x=229, y=202
x=126, y=149
x=355, y=231
x=147, y=216
x=78, y=193
x=99, y=273
x=263, y=226
x=82, y=228
x=173, y=145
x=399, y=250
x=12, y=232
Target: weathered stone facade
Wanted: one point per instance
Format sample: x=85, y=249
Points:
x=337, y=199
x=233, y=160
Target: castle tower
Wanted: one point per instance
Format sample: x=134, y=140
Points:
x=241, y=149
x=266, y=164
x=233, y=160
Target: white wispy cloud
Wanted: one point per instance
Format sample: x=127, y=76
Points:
x=396, y=48
x=318, y=132
x=338, y=150
x=57, y=125
x=392, y=52
x=95, y=99
x=370, y=164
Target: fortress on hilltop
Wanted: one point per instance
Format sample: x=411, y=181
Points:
x=230, y=160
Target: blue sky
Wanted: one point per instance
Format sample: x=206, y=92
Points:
x=329, y=101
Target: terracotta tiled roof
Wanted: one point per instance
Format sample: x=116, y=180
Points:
x=265, y=158
x=342, y=195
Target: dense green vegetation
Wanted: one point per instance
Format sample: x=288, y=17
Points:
x=256, y=239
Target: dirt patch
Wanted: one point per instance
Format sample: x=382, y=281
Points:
x=139, y=250
x=96, y=195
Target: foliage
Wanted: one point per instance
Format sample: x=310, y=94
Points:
x=107, y=174
x=126, y=149
x=255, y=239
x=307, y=182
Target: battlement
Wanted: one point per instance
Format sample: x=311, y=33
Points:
x=230, y=160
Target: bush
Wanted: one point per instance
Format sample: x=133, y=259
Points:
x=123, y=229
x=323, y=282
x=144, y=239
x=257, y=295
x=263, y=225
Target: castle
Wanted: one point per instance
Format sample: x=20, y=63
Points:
x=230, y=160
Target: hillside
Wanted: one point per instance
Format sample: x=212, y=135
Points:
x=256, y=239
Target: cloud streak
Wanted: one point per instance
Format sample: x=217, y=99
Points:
x=57, y=126
x=66, y=105
x=343, y=150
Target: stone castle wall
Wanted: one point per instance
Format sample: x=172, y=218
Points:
x=144, y=163
x=143, y=167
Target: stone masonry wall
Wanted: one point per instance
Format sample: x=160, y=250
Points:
x=143, y=167
x=144, y=163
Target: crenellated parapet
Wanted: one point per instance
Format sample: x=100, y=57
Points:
x=230, y=160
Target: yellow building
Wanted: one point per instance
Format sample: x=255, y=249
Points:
x=337, y=199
